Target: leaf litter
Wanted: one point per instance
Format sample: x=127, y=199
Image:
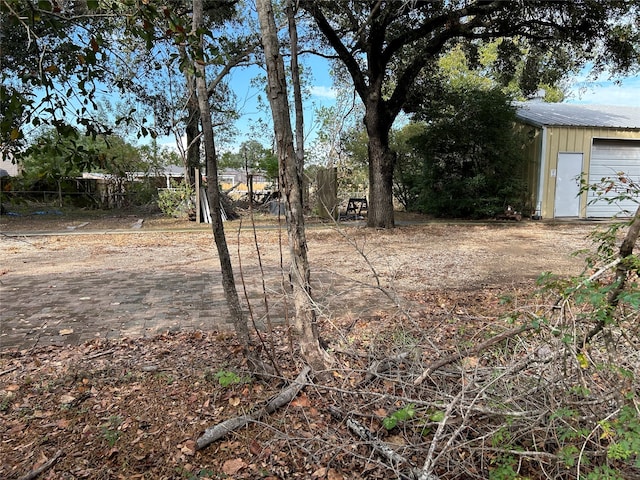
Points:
x=114, y=417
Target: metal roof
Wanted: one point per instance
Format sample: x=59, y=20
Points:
x=572, y=115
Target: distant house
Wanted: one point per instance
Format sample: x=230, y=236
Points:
x=110, y=190
x=574, y=142
x=170, y=173
x=235, y=182
x=8, y=168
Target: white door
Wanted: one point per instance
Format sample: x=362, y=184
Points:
x=567, y=203
x=608, y=157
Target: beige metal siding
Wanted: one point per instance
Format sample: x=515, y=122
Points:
x=573, y=140
x=532, y=151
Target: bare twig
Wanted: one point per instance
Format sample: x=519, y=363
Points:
x=602, y=270
x=360, y=251
x=258, y=366
x=8, y=370
x=99, y=354
x=19, y=239
x=429, y=463
x=380, y=366
x=379, y=447
x=593, y=431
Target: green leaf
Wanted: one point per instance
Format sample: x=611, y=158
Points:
x=45, y=5
x=390, y=422
x=582, y=360
x=437, y=416
x=398, y=416
x=226, y=378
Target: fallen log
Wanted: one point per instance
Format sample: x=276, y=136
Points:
x=218, y=431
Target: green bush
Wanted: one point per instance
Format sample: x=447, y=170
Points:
x=467, y=160
x=177, y=201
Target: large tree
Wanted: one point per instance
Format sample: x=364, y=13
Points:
x=290, y=156
x=387, y=46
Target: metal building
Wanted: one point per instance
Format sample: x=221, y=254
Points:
x=575, y=144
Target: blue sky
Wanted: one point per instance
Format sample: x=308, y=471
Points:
x=603, y=91
x=320, y=93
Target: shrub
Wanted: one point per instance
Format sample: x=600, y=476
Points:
x=177, y=201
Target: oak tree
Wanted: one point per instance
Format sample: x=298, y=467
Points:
x=387, y=46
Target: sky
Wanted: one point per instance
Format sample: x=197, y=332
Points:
x=603, y=91
x=584, y=90
x=319, y=87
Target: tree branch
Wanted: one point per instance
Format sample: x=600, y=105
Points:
x=283, y=398
x=620, y=281
x=478, y=348
x=44, y=467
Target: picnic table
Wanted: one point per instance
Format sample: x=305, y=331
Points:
x=356, y=207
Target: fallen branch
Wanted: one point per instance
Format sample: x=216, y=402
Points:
x=216, y=432
x=429, y=463
x=8, y=370
x=100, y=354
x=381, y=448
x=478, y=348
x=43, y=468
x=18, y=239
x=380, y=366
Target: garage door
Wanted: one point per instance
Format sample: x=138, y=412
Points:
x=608, y=157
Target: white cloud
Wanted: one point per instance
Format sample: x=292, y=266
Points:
x=605, y=92
x=324, y=92
x=601, y=89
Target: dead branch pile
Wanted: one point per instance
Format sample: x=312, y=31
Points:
x=514, y=401
x=548, y=392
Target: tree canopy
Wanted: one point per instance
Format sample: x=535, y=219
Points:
x=389, y=47
x=60, y=63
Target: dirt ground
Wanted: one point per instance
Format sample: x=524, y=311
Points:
x=133, y=407
x=418, y=254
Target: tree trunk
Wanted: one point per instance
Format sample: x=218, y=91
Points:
x=297, y=90
x=381, y=163
x=291, y=190
x=59, y=181
x=213, y=192
x=192, y=132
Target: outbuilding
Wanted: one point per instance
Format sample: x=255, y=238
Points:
x=575, y=144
